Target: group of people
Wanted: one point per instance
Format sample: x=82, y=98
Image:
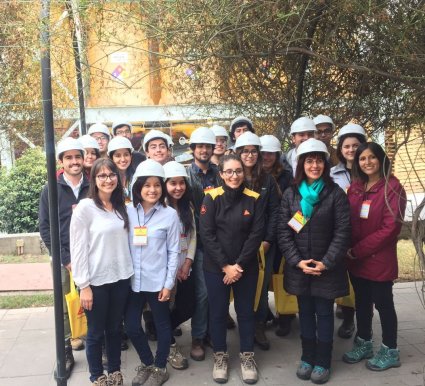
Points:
x=152, y=236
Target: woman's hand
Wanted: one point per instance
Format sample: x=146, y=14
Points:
x=86, y=298
x=232, y=273
x=164, y=295
x=311, y=267
x=183, y=272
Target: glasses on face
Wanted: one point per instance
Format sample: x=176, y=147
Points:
x=230, y=172
x=104, y=177
x=247, y=152
x=326, y=131
x=101, y=138
x=314, y=161
x=123, y=132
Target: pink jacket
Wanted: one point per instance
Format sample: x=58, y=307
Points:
x=374, y=240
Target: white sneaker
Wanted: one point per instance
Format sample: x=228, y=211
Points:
x=220, y=374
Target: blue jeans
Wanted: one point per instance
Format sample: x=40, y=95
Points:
x=200, y=316
x=263, y=305
x=316, y=318
x=161, y=317
x=218, y=298
x=103, y=321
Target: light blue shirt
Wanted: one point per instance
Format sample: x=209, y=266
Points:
x=155, y=264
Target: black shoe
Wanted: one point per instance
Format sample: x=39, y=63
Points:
x=230, y=322
x=178, y=332
x=69, y=362
x=346, y=330
x=284, y=325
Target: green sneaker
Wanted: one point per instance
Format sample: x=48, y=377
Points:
x=304, y=371
x=362, y=349
x=384, y=359
x=320, y=375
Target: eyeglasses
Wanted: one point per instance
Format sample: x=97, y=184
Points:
x=101, y=138
x=122, y=132
x=230, y=172
x=104, y=177
x=247, y=152
x=325, y=131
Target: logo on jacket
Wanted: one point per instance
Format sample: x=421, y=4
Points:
x=246, y=212
x=203, y=209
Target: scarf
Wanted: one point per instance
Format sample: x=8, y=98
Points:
x=310, y=196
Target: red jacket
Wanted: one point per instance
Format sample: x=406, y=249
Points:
x=374, y=240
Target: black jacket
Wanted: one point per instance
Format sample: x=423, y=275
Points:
x=66, y=201
x=325, y=237
x=231, y=227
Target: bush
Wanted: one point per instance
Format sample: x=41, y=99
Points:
x=20, y=192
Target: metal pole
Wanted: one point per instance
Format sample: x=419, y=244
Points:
x=49, y=137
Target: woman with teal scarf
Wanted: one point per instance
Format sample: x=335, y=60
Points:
x=313, y=236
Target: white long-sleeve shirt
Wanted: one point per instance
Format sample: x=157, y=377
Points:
x=155, y=264
x=100, y=253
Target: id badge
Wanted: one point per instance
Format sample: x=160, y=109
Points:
x=364, y=211
x=297, y=222
x=140, y=236
x=183, y=242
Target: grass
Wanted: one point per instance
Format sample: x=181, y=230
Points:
x=21, y=259
x=408, y=268
x=9, y=302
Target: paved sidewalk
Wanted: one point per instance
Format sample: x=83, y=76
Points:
x=27, y=355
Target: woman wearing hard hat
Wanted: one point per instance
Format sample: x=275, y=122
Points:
x=99, y=241
x=377, y=203
x=179, y=197
x=231, y=227
x=248, y=147
x=221, y=142
x=314, y=235
x=91, y=152
x=120, y=151
x=154, y=244
x=349, y=139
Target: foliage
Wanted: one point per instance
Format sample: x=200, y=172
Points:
x=8, y=302
x=23, y=259
x=20, y=192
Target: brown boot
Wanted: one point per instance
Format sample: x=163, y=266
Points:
x=197, y=353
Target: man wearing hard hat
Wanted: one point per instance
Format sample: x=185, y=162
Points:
x=221, y=142
x=156, y=146
x=100, y=133
x=324, y=132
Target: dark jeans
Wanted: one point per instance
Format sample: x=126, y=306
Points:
x=218, y=299
x=103, y=321
x=370, y=292
x=161, y=317
x=316, y=318
x=184, y=302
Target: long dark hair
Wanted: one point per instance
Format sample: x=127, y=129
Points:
x=384, y=161
x=300, y=175
x=184, y=207
x=361, y=139
x=117, y=197
x=137, y=190
x=258, y=174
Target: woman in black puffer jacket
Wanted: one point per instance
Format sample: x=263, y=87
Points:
x=314, y=254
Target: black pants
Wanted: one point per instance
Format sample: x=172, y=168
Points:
x=368, y=293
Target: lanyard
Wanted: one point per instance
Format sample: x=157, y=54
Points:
x=138, y=218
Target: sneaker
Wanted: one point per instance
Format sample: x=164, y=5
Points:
x=220, y=370
x=69, y=362
x=384, y=359
x=77, y=344
x=143, y=373
x=101, y=381
x=320, y=375
x=176, y=358
x=304, y=371
x=248, y=368
x=346, y=330
x=260, y=337
x=197, y=353
x=115, y=379
x=362, y=349
x=158, y=377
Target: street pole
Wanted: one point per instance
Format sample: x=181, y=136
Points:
x=49, y=138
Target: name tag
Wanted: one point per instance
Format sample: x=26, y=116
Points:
x=183, y=243
x=140, y=236
x=297, y=222
x=364, y=210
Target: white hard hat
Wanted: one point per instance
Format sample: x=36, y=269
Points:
x=148, y=168
x=99, y=128
x=169, y=140
x=312, y=145
x=89, y=142
x=154, y=134
x=119, y=143
x=68, y=143
x=120, y=123
x=351, y=128
x=302, y=124
x=202, y=135
x=219, y=131
x=270, y=144
x=323, y=119
x=174, y=169
x=246, y=139
x=241, y=119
